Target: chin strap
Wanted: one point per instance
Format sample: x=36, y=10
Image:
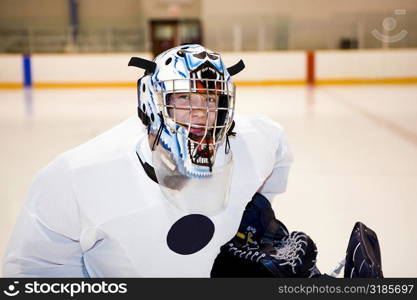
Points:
x=142, y=149
x=232, y=133
x=149, y=170
x=158, y=134
x=208, y=157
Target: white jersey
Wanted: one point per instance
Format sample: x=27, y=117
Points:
x=94, y=212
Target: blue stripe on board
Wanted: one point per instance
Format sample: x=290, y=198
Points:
x=27, y=71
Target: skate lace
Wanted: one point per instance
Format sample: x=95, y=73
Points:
x=289, y=250
x=248, y=252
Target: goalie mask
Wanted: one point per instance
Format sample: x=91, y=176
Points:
x=186, y=99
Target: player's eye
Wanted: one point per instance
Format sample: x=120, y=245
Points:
x=211, y=99
x=185, y=97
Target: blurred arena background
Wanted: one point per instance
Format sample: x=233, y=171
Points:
x=340, y=76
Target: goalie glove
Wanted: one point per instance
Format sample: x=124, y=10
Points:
x=263, y=248
x=293, y=256
x=257, y=217
x=363, y=256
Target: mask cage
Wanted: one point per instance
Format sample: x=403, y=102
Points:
x=202, y=149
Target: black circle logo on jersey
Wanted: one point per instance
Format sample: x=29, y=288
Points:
x=190, y=234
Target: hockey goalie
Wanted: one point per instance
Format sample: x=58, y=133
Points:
x=162, y=194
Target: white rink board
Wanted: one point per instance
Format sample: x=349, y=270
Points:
x=11, y=68
x=368, y=64
x=260, y=66
x=269, y=65
x=85, y=68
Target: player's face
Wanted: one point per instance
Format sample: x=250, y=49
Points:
x=197, y=109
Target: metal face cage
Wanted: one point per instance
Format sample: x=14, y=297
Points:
x=219, y=99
